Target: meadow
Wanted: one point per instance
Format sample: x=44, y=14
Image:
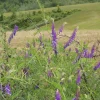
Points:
x=56, y=61
x=86, y=18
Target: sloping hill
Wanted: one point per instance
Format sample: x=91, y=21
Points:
x=87, y=18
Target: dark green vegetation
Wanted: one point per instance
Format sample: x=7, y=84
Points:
x=33, y=19
x=86, y=16
x=17, y=5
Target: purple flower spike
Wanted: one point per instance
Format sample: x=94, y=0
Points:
x=74, y=99
x=13, y=33
x=15, y=29
x=71, y=39
x=50, y=73
x=77, y=95
x=92, y=51
x=57, y=96
x=41, y=41
x=97, y=66
x=61, y=28
x=7, y=89
x=78, y=77
x=86, y=54
x=77, y=51
x=54, y=39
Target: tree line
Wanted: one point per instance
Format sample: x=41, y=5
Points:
x=19, y=5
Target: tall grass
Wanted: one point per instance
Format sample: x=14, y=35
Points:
x=48, y=70
x=37, y=73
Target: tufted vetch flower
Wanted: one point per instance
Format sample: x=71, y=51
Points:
x=7, y=89
x=77, y=94
x=57, y=96
x=54, y=39
x=97, y=66
x=78, y=80
x=13, y=33
x=71, y=38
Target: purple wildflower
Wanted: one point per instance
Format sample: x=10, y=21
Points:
x=54, y=39
x=97, y=66
x=41, y=42
x=15, y=29
x=13, y=33
x=57, y=96
x=92, y=51
x=71, y=39
x=77, y=51
x=86, y=54
x=50, y=73
x=61, y=28
x=7, y=89
x=77, y=95
x=78, y=77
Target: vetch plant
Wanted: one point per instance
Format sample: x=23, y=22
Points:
x=54, y=39
x=13, y=34
x=8, y=89
x=97, y=66
x=57, y=96
x=71, y=38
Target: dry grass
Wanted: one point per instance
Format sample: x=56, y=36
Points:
x=21, y=38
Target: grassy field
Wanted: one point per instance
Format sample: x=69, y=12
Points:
x=22, y=37
x=44, y=65
x=87, y=18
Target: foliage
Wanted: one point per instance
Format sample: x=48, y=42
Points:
x=9, y=5
x=36, y=72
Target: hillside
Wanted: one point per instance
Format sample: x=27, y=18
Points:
x=86, y=16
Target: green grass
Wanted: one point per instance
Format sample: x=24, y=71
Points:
x=87, y=18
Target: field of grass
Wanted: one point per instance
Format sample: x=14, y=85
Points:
x=87, y=18
x=42, y=64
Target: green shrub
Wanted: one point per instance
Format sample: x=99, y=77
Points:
x=34, y=12
x=13, y=16
x=58, y=8
x=37, y=18
x=1, y=17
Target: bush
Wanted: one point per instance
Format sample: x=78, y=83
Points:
x=13, y=16
x=37, y=18
x=34, y=12
x=58, y=9
x=1, y=17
